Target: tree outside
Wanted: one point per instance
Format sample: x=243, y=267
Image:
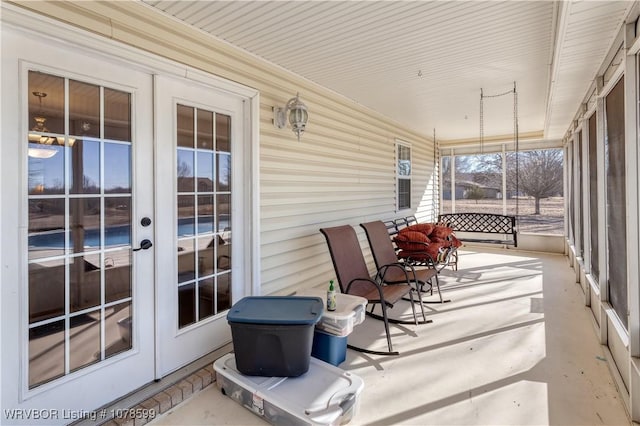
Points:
x=535, y=194
x=474, y=193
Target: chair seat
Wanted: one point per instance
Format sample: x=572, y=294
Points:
x=395, y=275
x=391, y=293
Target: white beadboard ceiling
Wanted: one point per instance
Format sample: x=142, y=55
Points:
x=423, y=63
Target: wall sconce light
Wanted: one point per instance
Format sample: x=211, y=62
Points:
x=295, y=112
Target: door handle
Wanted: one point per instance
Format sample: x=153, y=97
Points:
x=144, y=245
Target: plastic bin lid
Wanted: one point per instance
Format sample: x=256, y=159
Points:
x=277, y=310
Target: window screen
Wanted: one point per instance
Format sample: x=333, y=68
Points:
x=593, y=196
x=616, y=200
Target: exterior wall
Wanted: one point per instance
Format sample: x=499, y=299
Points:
x=341, y=172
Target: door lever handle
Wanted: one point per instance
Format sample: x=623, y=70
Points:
x=144, y=245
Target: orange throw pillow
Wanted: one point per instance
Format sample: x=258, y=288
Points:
x=406, y=240
x=426, y=228
x=441, y=232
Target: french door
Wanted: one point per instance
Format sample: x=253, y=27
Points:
x=199, y=134
x=85, y=311
x=130, y=198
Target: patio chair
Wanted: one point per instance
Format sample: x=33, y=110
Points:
x=353, y=277
x=384, y=253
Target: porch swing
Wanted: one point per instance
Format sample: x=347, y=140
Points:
x=484, y=227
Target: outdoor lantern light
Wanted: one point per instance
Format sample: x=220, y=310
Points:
x=295, y=112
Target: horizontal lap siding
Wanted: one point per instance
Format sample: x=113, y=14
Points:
x=341, y=172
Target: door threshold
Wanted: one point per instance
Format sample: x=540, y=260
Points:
x=143, y=405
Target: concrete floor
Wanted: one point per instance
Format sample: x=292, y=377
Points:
x=515, y=346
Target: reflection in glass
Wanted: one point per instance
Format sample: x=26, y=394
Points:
x=185, y=126
x=223, y=252
x=117, y=275
x=185, y=172
x=46, y=227
x=205, y=298
x=84, y=224
x=223, y=182
x=223, y=299
x=205, y=213
x=206, y=246
x=186, y=260
x=84, y=282
x=46, y=101
x=223, y=133
x=46, y=170
x=84, y=167
x=205, y=171
x=404, y=160
x=205, y=129
x=46, y=290
x=223, y=215
x=46, y=353
x=84, y=109
x=117, y=168
x=186, y=215
x=117, y=115
x=118, y=329
x=117, y=215
x=186, y=305
x=84, y=340
x=67, y=175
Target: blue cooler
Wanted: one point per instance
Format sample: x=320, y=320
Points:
x=329, y=347
x=273, y=335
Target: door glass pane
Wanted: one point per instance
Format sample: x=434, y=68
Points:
x=205, y=129
x=185, y=126
x=205, y=213
x=117, y=275
x=186, y=260
x=46, y=103
x=84, y=341
x=84, y=223
x=223, y=295
x=84, y=282
x=186, y=305
x=46, y=227
x=84, y=170
x=206, y=297
x=46, y=169
x=118, y=329
x=186, y=213
x=186, y=171
x=117, y=115
x=117, y=168
x=204, y=238
x=46, y=290
x=84, y=109
x=117, y=216
x=223, y=183
x=79, y=238
x=46, y=352
x=223, y=133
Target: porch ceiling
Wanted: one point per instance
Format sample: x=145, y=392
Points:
x=423, y=63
